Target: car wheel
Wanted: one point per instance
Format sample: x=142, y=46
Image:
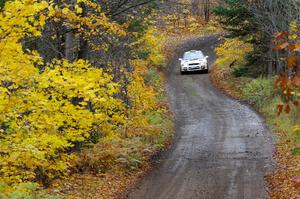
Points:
x=207, y=70
x=182, y=72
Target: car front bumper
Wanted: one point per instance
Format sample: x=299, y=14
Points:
x=194, y=68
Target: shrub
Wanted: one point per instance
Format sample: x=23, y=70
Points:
x=152, y=42
x=296, y=151
x=45, y=114
x=241, y=71
x=259, y=91
x=49, y=111
x=228, y=53
x=152, y=77
x=25, y=190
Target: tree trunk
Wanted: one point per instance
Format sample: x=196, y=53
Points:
x=195, y=7
x=83, y=43
x=207, y=10
x=83, y=49
x=271, y=61
x=185, y=21
x=70, y=46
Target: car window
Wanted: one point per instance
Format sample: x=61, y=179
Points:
x=193, y=55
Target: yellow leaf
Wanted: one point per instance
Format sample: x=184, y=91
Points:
x=65, y=11
x=42, y=19
x=78, y=9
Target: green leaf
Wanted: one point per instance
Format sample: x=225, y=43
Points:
x=296, y=151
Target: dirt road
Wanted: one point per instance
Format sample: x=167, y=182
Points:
x=222, y=148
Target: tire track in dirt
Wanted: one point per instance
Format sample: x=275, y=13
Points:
x=222, y=147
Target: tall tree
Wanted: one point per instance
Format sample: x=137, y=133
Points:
x=206, y=9
x=2, y=2
x=236, y=17
x=195, y=7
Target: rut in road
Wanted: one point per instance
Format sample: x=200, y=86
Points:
x=222, y=147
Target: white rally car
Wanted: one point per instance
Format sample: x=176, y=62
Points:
x=193, y=61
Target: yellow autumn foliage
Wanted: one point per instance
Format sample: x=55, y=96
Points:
x=152, y=43
x=47, y=109
x=143, y=99
x=43, y=113
x=233, y=50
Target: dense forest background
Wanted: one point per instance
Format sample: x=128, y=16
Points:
x=82, y=85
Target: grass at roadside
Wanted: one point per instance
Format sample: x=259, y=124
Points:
x=284, y=182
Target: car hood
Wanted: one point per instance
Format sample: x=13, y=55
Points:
x=193, y=61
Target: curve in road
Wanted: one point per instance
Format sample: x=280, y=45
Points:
x=222, y=147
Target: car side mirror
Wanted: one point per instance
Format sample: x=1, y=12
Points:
x=206, y=57
x=180, y=59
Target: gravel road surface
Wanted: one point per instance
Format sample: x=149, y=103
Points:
x=222, y=148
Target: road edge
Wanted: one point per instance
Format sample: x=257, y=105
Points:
x=275, y=186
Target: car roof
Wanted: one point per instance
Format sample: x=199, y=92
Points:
x=193, y=51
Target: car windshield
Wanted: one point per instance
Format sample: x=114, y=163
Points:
x=193, y=55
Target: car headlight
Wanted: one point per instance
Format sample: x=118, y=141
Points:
x=184, y=64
